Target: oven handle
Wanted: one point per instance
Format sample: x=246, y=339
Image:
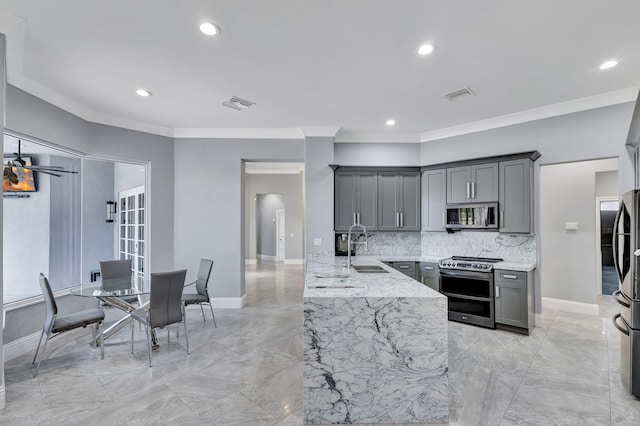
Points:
x=621, y=301
x=464, y=274
x=624, y=330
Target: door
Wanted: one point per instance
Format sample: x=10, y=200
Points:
x=515, y=196
x=484, y=185
x=606, y=214
x=434, y=200
x=399, y=201
x=623, y=232
x=280, y=240
x=131, y=205
x=458, y=184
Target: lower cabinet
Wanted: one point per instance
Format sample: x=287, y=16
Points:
x=407, y=268
x=514, y=300
x=429, y=275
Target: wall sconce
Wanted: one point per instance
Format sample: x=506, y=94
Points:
x=111, y=211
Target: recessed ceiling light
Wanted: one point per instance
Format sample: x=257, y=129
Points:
x=425, y=49
x=391, y=122
x=144, y=93
x=209, y=29
x=608, y=64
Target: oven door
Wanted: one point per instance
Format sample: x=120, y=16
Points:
x=470, y=296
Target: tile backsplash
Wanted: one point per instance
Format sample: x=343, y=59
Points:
x=512, y=248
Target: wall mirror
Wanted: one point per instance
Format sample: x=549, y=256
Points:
x=56, y=223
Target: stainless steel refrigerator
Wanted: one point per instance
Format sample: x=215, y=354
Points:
x=626, y=254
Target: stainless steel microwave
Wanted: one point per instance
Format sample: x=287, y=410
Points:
x=472, y=216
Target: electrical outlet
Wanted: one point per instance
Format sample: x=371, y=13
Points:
x=317, y=241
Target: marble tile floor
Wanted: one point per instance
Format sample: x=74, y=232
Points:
x=248, y=370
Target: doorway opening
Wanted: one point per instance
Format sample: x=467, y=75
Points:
x=607, y=208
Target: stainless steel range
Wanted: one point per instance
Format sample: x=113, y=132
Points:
x=468, y=284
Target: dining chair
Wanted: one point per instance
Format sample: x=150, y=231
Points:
x=202, y=294
x=165, y=306
x=116, y=275
x=55, y=324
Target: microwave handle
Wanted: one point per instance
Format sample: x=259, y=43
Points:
x=473, y=190
x=468, y=189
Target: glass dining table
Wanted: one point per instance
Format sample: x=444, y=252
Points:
x=119, y=299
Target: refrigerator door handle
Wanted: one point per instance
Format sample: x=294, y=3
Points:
x=616, y=237
x=624, y=330
x=621, y=301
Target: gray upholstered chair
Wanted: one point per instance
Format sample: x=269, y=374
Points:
x=116, y=275
x=202, y=295
x=165, y=305
x=55, y=324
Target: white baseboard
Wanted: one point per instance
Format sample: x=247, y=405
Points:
x=538, y=320
x=266, y=257
x=251, y=261
x=571, y=306
x=294, y=261
x=2, y=398
x=229, y=302
x=21, y=346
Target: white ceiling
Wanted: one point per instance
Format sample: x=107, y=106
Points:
x=316, y=67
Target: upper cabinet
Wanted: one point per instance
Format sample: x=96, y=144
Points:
x=434, y=199
x=399, y=201
x=475, y=183
x=356, y=200
x=515, y=196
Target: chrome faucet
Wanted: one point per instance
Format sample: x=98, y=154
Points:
x=349, y=242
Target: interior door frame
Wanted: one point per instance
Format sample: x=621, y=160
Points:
x=280, y=245
x=599, y=241
x=135, y=191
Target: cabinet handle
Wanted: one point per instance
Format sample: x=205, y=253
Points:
x=468, y=189
x=501, y=218
x=510, y=277
x=403, y=266
x=401, y=220
x=444, y=219
x=354, y=218
x=497, y=291
x=422, y=280
x=429, y=268
x=397, y=220
x=358, y=217
x=473, y=190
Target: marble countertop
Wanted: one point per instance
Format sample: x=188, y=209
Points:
x=506, y=265
x=328, y=278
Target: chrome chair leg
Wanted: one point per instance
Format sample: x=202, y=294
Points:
x=148, y=343
x=99, y=326
x=184, y=322
x=38, y=348
x=44, y=347
x=213, y=316
x=132, y=336
x=202, y=310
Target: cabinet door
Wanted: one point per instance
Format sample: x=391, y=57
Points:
x=429, y=275
x=484, y=179
x=388, y=209
x=344, y=200
x=367, y=199
x=407, y=268
x=459, y=184
x=511, y=299
x=434, y=199
x=409, y=191
x=515, y=196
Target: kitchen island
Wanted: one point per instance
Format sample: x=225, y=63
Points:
x=375, y=346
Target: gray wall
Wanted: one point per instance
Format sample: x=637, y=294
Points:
x=319, y=194
x=209, y=204
x=291, y=188
x=266, y=236
x=607, y=184
x=98, y=237
x=64, y=224
x=569, y=258
x=377, y=154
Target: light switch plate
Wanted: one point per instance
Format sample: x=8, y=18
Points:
x=317, y=241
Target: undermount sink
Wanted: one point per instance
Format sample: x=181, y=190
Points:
x=370, y=269
x=323, y=275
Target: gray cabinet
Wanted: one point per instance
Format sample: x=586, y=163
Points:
x=407, y=268
x=399, y=201
x=476, y=183
x=429, y=275
x=356, y=200
x=434, y=199
x=514, y=300
x=515, y=195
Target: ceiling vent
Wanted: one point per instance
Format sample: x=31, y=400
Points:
x=459, y=94
x=237, y=103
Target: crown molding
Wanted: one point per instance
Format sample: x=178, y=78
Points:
x=348, y=137
x=238, y=133
x=563, y=108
